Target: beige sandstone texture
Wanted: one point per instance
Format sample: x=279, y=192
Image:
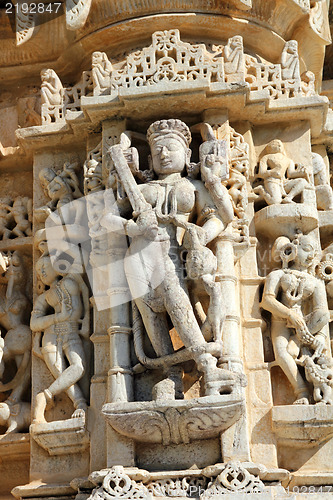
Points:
x=166, y=250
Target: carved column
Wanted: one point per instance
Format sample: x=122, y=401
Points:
x=120, y=380
x=235, y=442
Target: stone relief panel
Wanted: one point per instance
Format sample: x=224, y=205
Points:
x=173, y=207
x=159, y=220
x=281, y=179
x=15, y=217
x=60, y=320
x=179, y=65
x=296, y=298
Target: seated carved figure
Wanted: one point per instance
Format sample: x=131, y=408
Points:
x=162, y=211
x=296, y=298
x=290, y=61
x=283, y=180
x=101, y=71
x=62, y=330
x=51, y=88
x=233, y=55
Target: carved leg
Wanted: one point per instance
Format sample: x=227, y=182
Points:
x=178, y=305
x=280, y=339
x=293, y=188
x=67, y=380
x=51, y=359
x=157, y=328
x=272, y=192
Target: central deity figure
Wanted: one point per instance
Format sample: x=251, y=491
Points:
x=171, y=213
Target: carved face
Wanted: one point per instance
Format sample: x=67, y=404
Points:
x=97, y=58
x=45, y=74
x=292, y=45
x=237, y=41
x=45, y=271
x=169, y=155
x=275, y=146
x=305, y=252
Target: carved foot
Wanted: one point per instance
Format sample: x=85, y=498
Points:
x=80, y=411
x=301, y=401
x=287, y=199
x=171, y=387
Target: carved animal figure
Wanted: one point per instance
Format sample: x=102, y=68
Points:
x=320, y=374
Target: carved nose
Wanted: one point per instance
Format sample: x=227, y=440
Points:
x=164, y=152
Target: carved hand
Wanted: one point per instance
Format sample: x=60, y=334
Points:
x=36, y=345
x=295, y=320
x=113, y=222
x=318, y=345
x=213, y=168
x=147, y=224
x=64, y=314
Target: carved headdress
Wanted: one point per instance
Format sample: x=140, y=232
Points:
x=172, y=127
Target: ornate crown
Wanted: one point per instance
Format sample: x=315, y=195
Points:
x=172, y=126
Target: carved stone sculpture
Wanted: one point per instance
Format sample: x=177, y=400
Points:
x=296, y=298
x=15, y=217
x=166, y=250
x=283, y=180
x=15, y=416
x=234, y=56
x=324, y=193
x=5, y=217
x=61, y=342
x=159, y=207
x=62, y=187
x=101, y=72
x=15, y=309
x=289, y=61
x=320, y=374
x=51, y=88
x=22, y=213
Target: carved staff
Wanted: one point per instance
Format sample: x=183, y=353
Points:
x=136, y=198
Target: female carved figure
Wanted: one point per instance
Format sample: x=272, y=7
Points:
x=163, y=209
x=62, y=348
x=283, y=180
x=15, y=308
x=51, y=88
x=296, y=298
x=62, y=188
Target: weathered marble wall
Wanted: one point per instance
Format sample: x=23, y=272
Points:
x=166, y=250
